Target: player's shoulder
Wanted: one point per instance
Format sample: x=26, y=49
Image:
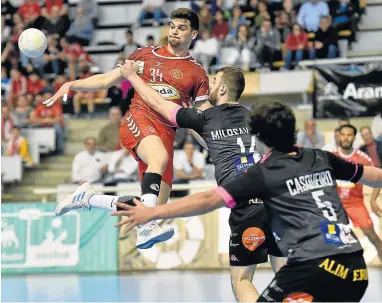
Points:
x=197, y=67
x=362, y=155
x=142, y=51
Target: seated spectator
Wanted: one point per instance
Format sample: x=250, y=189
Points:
x=18, y=146
x=262, y=15
x=43, y=116
x=251, y=10
x=236, y=20
x=58, y=82
x=56, y=24
x=5, y=82
x=268, y=42
x=310, y=137
x=243, y=45
x=332, y=146
x=9, y=56
x=49, y=4
x=205, y=18
x=286, y=19
x=189, y=165
x=296, y=44
x=22, y=113
x=154, y=7
x=5, y=32
x=114, y=94
x=122, y=167
x=371, y=147
x=206, y=49
x=344, y=17
x=91, y=10
x=150, y=40
x=325, y=41
x=53, y=62
x=376, y=127
x=108, y=137
x=220, y=28
x=130, y=46
x=81, y=29
x=18, y=86
x=90, y=164
x=310, y=14
x=30, y=10
x=84, y=96
x=6, y=123
x=34, y=84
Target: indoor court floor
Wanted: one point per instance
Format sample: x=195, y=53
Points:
x=154, y=286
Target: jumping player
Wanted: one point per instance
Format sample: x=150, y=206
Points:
x=351, y=194
x=225, y=134
x=325, y=262
x=149, y=137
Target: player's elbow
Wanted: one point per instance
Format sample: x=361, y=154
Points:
x=372, y=176
x=212, y=200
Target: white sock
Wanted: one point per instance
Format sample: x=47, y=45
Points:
x=149, y=200
x=104, y=202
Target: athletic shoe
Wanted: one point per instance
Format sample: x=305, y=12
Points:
x=151, y=233
x=77, y=200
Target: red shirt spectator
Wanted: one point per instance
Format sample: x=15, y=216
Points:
x=18, y=83
x=41, y=111
x=35, y=84
x=295, y=39
x=75, y=50
x=60, y=80
x=220, y=29
x=50, y=3
x=29, y=8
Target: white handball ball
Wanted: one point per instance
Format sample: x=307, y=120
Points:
x=32, y=42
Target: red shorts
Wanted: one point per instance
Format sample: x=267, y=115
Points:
x=135, y=127
x=358, y=213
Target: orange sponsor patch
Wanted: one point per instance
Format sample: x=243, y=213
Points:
x=299, y=297
x=252, y=238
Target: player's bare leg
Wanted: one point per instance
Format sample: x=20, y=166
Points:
x=373, y=238
x=164, y=193
x=241, y=281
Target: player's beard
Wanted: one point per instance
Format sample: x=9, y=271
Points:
x=346, y=145
x=213, y=97
x=174, y=43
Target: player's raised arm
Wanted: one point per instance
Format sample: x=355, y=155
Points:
x=93, y=83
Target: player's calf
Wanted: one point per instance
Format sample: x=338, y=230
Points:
x=373, y=238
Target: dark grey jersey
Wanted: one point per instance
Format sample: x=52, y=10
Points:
x=224, y=129
x=300, y=195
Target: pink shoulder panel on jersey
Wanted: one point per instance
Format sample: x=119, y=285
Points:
x=173, y=115
x=229, y=201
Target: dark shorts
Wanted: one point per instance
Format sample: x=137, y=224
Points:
x=336, y=278
x=251, y=239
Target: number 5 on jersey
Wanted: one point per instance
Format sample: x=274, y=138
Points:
x=326, y=206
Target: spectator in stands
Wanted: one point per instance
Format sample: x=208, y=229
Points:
x=7, y=12
x=206, y=49
x=90, y=164
x=130, y=46
x=236, y=20
x=154, y=7
x=122, y=167
x=310, y=137
x=150, y=40
x=262, y=15
x=296, y=44
x=325, y=41
x=251, y=10
x=242, y=52
x=49, y=4
x=310, y=14
x=205, y=18
x=268, y=42
x=43, y=116
x=220, y=28
x=114, y=94
x=5, y=32
x=332, y=146
x=30, y=10
x=5, y=82
x=91, y=10
x=108, y=137
x=84, y=96
x=81, y=29
x=371, y=147
x=18, y=146
x=18, y=86
x=34, y=84
x=189, y=165
x=9, y=56
x=287, y=18
x=344, y=17
x=22, y=113
x=56, y=24
x=53, y=62
x=6, y=123
x=376, y=126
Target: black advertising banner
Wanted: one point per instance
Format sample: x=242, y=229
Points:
x=347, y=90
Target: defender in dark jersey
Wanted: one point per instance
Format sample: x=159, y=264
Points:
x=225, y=134
x=299, y=190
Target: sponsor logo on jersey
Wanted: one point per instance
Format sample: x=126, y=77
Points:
x=176, y=74
x=242, y=163
x=299, y=297
x=252, y=238
x=154, y=187
x=158, y=64
x=337, y=234
x=140, y=67
x=166, y=91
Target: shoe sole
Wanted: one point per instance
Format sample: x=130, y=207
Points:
x=160, y=238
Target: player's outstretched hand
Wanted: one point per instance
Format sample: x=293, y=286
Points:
x=62, y=92
x=375, y=208
x=136, y=215
x=129, y=68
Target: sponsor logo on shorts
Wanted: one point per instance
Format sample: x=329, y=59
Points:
x=176, y=74
x=252, y=238
x=299, y=297
x=234, y=258
x=132, y=126
x=233, y=244
x=158, y=64
x=166, y=91
x=275, y=287
x=360, y=275
x=334, y=268
x=154, y=187
x=255, y=201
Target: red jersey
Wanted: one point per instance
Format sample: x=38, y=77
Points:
x=177, y=79
x=49, y=112
x=19, y=86
x=77, y=51
x=34, y=87
x=28, y=9
x=349, y=191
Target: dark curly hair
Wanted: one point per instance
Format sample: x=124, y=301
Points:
x=188, y=14
x=274, y=124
